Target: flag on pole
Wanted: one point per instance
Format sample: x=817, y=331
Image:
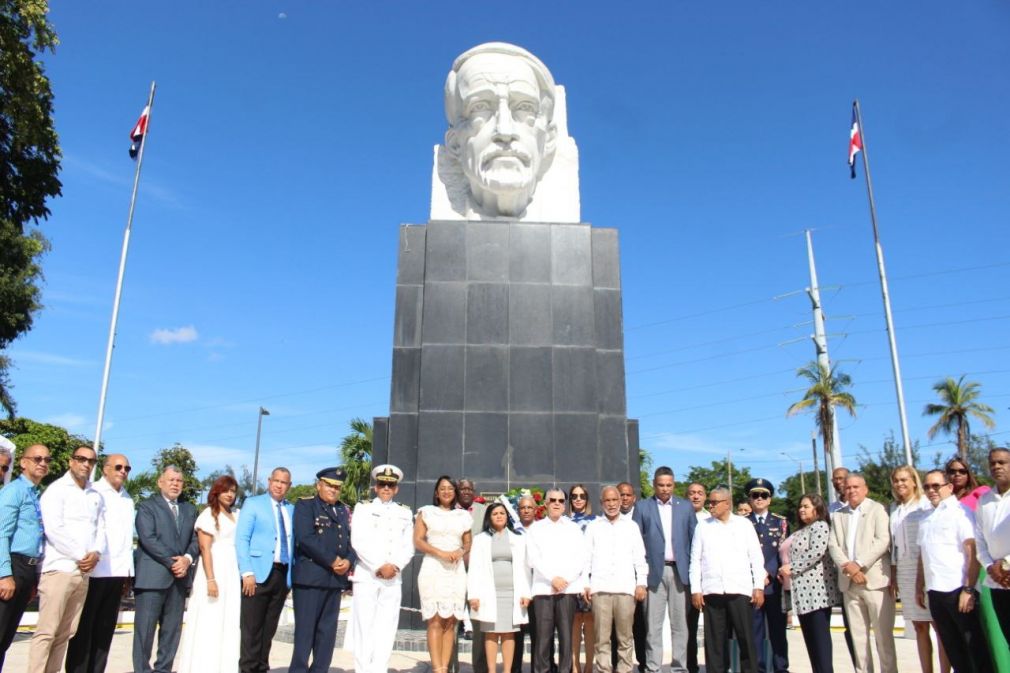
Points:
x=138, y=132
x=855, y=143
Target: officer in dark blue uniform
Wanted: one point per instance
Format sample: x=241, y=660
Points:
x=323, y=562
x=769, y=620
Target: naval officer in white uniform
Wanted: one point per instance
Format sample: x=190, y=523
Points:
x=382, y=537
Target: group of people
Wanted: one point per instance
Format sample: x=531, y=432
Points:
x=608, y=581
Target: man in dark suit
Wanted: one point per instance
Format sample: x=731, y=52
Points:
x=323, y=559
x=166, y=547
x=769, y=620
x=667, y=524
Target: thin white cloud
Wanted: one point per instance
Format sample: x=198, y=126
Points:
x=148, y=187
x=42, y=358
x=177, y=335
x=70, y=420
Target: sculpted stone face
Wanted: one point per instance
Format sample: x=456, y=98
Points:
x=501, y=130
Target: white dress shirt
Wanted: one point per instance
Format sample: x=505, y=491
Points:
x=74, y=521
x=992, y=531
x=942, y=535
x=701, y=515
x=117, y=557
x=666, y=517
x=726, y=557
x=850, y=542
x=616, y=556
x=556, y=549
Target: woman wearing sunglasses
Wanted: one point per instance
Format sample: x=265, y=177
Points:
x=966, y=488
x=581, y=513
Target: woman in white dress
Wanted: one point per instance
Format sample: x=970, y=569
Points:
x=442, y=534
x=210, y=639
x=907, y=511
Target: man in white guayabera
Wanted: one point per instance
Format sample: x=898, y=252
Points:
x=499, y=101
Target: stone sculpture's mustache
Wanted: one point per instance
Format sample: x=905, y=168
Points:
x=501, y=153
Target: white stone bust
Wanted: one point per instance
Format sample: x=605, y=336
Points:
x=501, y=156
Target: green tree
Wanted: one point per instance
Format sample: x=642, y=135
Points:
x=876, y=466
x=824, y=394
x=958, y=401
x=645, y=472
x=244, y=480
x=977, y=457
x=300, y=491
x=356, y=458
x=25, y=432
x=179, y=456
x=29, y=166
x=718, y=475
x=142, y=485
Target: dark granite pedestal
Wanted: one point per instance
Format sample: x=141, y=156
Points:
x=508, y=360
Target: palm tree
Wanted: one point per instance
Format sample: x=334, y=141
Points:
x=959, y=400
x=825, y=393
x=356, y=457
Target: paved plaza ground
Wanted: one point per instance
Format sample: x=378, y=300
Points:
x=417, y=662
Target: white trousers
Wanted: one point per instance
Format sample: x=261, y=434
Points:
x=375, y=614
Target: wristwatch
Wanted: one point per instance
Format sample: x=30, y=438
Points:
x=968, y=590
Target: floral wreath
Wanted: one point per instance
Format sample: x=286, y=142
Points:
x=535, y=492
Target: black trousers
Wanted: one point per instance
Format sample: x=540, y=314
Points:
x=1001, y=606
x=816, y=627
x=771, y=621
x=260, y=614
x=26, y=580
x=517, y=660
x=554, y=614
x=960, y=632
x=316, y=613
x=692, y=636
x=88, y=650
x=721, y=612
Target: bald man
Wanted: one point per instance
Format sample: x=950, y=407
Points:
x=88, y=651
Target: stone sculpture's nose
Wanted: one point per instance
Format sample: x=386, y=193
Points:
x=504, y=125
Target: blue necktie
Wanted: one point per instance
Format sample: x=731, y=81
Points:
x=284, y=534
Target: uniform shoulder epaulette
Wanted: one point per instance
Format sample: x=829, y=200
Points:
x=777, y=516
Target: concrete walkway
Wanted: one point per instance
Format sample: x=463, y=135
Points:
x=417, y=662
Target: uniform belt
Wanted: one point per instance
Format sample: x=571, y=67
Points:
x=29, y=560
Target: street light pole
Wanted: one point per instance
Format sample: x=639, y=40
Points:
x=803, y=483
x=256, y=460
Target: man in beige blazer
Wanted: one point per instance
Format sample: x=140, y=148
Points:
x=859, y=546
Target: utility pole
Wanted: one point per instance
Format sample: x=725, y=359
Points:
x=256, y=460
x=821, y=347
x=803, y=482
x=817, y=472
x=729, y=470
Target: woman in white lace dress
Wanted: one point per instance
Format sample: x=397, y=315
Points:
x=442, y=534
x=908, y=509
x=210, y=639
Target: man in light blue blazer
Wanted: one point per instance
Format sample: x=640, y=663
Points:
x=667, y=524
x=264, y=546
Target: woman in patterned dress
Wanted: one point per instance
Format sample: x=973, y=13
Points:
x=442, y=534
x=813, y=579
x=910, y=506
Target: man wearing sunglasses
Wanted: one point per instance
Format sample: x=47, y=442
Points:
x=382, y=535
x=772, y=530
x=21, y=542
x=73, y=515
x=88, y=651
x=556, y=553
x=6, y=460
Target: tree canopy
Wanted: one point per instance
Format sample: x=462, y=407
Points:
x=25, y=432
x=356, y=458
x=29, y=169
x=958, y=401
x=826, y=391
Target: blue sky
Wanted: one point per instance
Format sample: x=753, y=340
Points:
x=290, y=139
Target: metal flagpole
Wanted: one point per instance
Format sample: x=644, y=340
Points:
x=122, y=272
x=883, y=290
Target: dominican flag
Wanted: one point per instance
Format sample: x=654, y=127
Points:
x=139, y=131
x=855, y=143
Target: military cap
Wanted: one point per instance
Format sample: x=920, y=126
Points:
x=759, y=485
x=334, y=476
x=387, y=474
